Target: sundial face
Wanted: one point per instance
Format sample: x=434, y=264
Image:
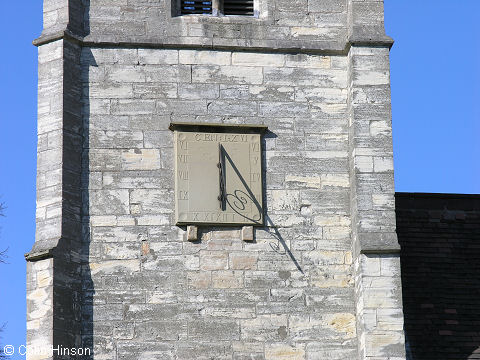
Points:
x=218, y=178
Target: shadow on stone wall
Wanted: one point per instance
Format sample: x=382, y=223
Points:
x=88, y=290
x=270, y=227
x=87, y=282
x=440, y=261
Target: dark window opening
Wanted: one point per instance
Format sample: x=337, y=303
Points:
x=195, y=7
x=238, y=7
x=220, y=7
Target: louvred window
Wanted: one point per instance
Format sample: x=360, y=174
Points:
x=209, y=7
x=238, y=7
x=195, y=7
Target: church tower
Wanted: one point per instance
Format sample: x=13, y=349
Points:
x=214, y=181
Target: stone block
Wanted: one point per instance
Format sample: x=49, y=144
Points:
x=154, y=90
x=227, y=74
x=287, y=200
x=152, y=312
x=199, y=280
x=163, y=297
x=161, y=330
x=167, y=73
x=227, y=279
x=119, y=234
x=333, y=276
x=247, y=233
x=248, y=356
x=336, y=232
x=308, y=61
x=158, y=139
x=382, y=297
x=182, y=107
x=125, y=74
x=198, y=91
x=390, y=266
x=289, y=109
x=103, y=202
x=242, y=261
x=329, y=326
x=132, y=107
x=280, y=351
x=383, y=164
x=108, y=312
x=264, y=279
x=230, y=311
x=371, y=78
x=213, y=260
x=367, y=13
x=191, y=233
x=233, y=108
x=153, y=201
x=116, y=251
x=257, y=59
x=305, y=77
x=323, y=95
x=157, y=56
x=205, y=57
x=328, y=6
x=110, y=91
x=386, y=343
x=213, y=330
x=322, y=257
x=155, y=350
x=317, y=350
x=141, y=159
x=201, y=350
x=380, y=128
x=256, y=92
x=265, y=328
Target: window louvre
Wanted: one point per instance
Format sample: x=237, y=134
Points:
x=195, y=7
x=238, y=7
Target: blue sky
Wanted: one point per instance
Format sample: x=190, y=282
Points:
x=435, y=74
x=435, y=78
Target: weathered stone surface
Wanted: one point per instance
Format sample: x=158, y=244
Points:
x=213, y=260
x=227, y=279
x=242, y=261
x=294, y=288
x=282, y=351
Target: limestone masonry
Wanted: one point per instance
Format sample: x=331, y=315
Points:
x=111, y=272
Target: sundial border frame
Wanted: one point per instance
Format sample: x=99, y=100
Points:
x=225, y=128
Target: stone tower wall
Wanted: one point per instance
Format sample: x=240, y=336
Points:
x=110, y=270
x=291, y=290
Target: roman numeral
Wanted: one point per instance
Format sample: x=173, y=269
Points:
x=182, y=158
x=183, y=175
x=254, y=177
x=255, y=147
x=183, y=145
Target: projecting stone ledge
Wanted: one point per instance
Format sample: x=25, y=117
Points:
x=42, y=249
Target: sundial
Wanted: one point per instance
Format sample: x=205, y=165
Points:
x=218, y=174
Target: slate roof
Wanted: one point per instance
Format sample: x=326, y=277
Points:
x=439, y=236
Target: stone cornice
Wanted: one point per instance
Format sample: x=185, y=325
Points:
x=324, y=48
